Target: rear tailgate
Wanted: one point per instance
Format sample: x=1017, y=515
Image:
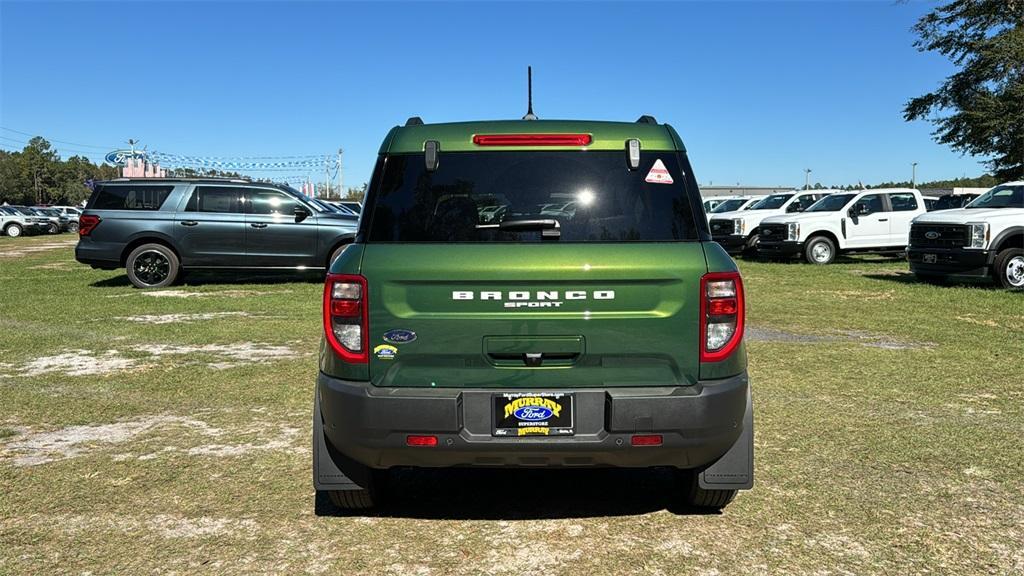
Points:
x=540, y=315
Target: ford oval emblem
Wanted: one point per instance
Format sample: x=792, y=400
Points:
x=399, y=336
x=932, y=235
x=533, y=413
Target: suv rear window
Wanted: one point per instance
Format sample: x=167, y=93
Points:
x=592, y=195
x=129, y=197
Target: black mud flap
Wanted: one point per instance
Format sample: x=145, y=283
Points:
x=328, y=464
x=734, y=470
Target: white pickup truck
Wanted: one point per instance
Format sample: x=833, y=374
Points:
x=984, y=238
x=739, y=231
x=874, y=220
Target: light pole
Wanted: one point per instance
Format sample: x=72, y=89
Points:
x=807, y=178
x=341, y=189
x=913, y=174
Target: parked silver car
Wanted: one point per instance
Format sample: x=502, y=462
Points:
x=51, y=223
x=58, y=221
x=15, y=222
x=72, y=213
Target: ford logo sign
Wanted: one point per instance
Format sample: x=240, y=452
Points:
x=120, y=157
x=399, y=336
x=932, y=235
x=533, y=413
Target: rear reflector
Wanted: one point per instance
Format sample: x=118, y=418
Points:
x=645, y=440
x=531, y=139
x=421, y=440
x=86, y=223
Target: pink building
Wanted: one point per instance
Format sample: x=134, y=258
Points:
x=140, y=168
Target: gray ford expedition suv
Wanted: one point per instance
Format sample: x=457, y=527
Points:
x=155, y=228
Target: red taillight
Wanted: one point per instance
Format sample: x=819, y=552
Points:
x=645, y=440
x=86, y=223
x=421, y=440
x=346, y=318
x=532, y=139
x=721, y=315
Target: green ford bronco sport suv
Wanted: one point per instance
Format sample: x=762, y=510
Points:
x=533, y=294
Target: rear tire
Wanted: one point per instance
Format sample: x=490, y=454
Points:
x=697, y=498
x=375, y=486
x=820, y=250
x=1009, y=269
x=351, y=499
x=72, y=227
x=53, y=229
x=152, y=266
x=13, y=230
x=334, y=256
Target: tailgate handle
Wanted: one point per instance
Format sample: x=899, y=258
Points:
x=533, y=359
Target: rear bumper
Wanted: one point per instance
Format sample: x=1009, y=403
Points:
x=950, y=261
x=786, y=248
x=105, y=255
x=369, y=425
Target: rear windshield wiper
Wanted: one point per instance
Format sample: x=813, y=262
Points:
x=549, y=227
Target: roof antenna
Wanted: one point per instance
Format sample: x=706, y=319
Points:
x=529, y=95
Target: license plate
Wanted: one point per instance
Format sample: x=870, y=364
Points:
x=534, y=414
x=929, y=259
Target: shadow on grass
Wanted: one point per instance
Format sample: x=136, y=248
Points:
x=910, y=278
x=841, y=260
x=205, y=278
x=515, y=494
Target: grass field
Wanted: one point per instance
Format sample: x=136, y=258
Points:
x=168, y=432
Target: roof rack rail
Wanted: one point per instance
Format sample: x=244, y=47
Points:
x=414, y=121
x=646, y=119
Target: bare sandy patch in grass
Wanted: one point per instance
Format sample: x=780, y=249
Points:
x=864, y=338
x=52, y=266
x=179, y=293
x=858, y=294
x=163, y=525
x=181, y=318
x=43, y=447
x=17, y=250
x=78, y=363
x=285, y=440
x=885, y=342
x=89, y=363
x=230, y=355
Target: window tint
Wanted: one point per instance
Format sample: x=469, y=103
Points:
x=903, y=202
x=831, y=203
x=773, y=202
x=269, y=202
x=129, y=197
x=224, y=199
x=729, y=205
x=1000, y=197
x=592, y=196
x=872, y=201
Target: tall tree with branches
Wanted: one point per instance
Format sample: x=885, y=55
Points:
x=979, y=110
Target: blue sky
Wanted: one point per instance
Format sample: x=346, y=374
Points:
x=759, y=91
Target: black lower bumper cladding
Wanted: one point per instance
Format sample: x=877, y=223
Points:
x=358, y=427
